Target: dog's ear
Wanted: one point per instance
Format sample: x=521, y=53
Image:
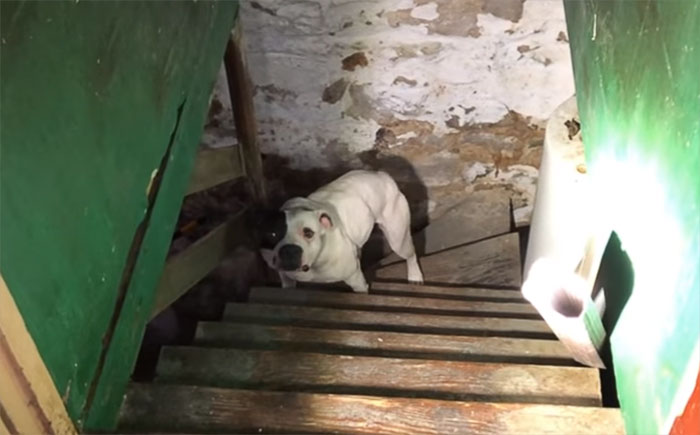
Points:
x=325, y=221
x=268, y=255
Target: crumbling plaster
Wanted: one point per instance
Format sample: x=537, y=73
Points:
x=459, y=88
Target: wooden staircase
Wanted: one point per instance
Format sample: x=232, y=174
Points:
x=404, y=359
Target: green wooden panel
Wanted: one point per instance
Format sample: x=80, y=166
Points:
x=637, y=72
x=95, y=96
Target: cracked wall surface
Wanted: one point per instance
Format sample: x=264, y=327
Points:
x=458, y=88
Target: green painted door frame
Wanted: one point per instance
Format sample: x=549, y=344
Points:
x=637, y=73
x=102, y=107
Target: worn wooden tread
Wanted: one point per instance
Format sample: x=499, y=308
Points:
x=385, y=321
x=491, y=262
x=360, y=301
x=176, y=408
x=382, y=343
x=479, y=216
x=324, y=373
x=445, y=292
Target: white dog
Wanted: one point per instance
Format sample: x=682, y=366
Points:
x=318, y=239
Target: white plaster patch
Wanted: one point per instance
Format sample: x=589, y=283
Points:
x=475, y=170
x=426, y=12
x=402, y=4
x=407, y=136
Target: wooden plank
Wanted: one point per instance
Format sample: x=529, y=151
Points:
x=445, y=292
x=386, y=321
x=6, y=426
x=16, y=395
x=492, y=262
x=396, y=377
x=215, y=166
x=359, y=301
x=187, y=268
x=481, y=215
x=382, y=343
x=241, y=93
x=176, y=408
x=29, y=398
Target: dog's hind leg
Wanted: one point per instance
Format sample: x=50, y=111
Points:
x=395, y=223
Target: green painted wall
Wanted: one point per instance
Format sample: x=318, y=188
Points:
x=637, y=72
x=93, y=95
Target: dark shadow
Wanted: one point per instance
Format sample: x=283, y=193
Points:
x=523, y=239
x=176, y=325
x=616, y=279
x=206, y=301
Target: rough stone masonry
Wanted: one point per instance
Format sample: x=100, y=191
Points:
x=449, y=95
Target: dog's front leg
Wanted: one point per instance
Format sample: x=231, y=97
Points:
x=287, y=282
x=357, y=282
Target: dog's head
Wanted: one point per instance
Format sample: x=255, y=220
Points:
x=292, y=239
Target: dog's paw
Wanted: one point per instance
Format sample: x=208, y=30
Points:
x=415, y=276
x=361, y=289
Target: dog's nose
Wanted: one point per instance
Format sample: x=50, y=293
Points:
x=290, y=257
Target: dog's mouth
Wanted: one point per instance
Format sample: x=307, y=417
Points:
x=276, y=264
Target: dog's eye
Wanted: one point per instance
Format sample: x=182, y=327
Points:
x=308, y=233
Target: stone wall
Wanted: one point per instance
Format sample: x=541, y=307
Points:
x=450, y=95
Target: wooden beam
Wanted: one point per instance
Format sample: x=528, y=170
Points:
x=396, y=377
x=383, y=343
x=241, y=93
x=178, y=408
x=386, y=321
x=187, y=268
x=215, y=166
x=6, y=427
x=349, y=300
x=30, y=402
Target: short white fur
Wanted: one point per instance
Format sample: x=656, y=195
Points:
x=342, y=215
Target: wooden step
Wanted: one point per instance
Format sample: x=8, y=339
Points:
x=445, y=292
x=491, y=262
x=386, y=321
x=176, y=408
x=398, y=377
x=387, y=344
x=481, y=215
x=360, y=301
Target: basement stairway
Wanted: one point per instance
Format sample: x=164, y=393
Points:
x=466, y=354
